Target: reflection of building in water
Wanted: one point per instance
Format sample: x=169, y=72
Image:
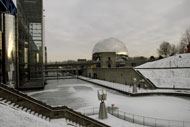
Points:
x=110, y=53
x=21, y=50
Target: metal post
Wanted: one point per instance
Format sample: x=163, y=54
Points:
x=143, y=120
x=168, y=123
x=112, y=110
x=133, y=119
x=124, y=115
x=57, y=69
x=155, y=122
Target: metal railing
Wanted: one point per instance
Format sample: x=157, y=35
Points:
x=89, y=111
x=147, y=121
x=137, y=119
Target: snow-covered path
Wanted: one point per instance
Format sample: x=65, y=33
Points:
x=129, y=89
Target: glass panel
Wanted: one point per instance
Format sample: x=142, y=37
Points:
x=10, y=47
x=1, y=76
x=26, y=57
x=30, y=53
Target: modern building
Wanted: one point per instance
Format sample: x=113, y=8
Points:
x=110, y=53
x=22, y=44
x=105, y=59
x=30, y=40
x=7, y=42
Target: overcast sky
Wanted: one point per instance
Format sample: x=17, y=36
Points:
x=73, y=27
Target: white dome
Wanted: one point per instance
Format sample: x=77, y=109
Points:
x=110, y=45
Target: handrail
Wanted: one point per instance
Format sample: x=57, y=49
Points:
x=52, y=112
x=139, y=119
x=26, y=99
x=146, y=79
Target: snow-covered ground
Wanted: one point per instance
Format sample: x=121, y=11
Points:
x=178, y=77
x=78, y=94
x=13, y=117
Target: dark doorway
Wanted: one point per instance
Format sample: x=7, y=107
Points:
x=95, y=76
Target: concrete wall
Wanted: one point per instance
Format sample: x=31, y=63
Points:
x=118, y=75
x=104, y=59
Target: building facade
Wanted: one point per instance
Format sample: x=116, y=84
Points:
x=104, y=59
x=22, y=45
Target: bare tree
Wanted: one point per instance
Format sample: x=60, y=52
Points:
x=185, y=40
x=186, y=37
x=181, y=47
x=165, y=49
x=173, y=50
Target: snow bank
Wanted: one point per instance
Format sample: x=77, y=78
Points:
x=178, y=78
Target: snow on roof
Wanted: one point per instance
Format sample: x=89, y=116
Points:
x=178, y=78
x=180, y=60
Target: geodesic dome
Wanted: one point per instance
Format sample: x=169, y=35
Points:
x=110, y=45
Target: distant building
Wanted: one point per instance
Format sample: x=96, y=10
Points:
x=110, y=51
x=81, y=60
x=105, y=59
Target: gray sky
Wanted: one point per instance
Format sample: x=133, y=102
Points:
x=73, y=27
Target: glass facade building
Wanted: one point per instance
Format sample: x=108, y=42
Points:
x=30, y=40
x=21, y=47
x=8, y=49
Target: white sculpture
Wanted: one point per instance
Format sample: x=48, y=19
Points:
x=102, y=96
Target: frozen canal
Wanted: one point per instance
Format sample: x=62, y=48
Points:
x=78, y=94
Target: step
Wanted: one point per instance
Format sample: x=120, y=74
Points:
x=12, y=104
x=8, y=102
x=21, y=107
x=4, y=100
x=25, y=109
x=16, y=106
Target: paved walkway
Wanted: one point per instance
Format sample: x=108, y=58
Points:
x=129, y=89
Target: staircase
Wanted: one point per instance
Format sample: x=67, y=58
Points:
x=22, y=101
x=151, y=84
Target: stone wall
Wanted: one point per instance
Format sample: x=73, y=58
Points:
x=118, y=75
